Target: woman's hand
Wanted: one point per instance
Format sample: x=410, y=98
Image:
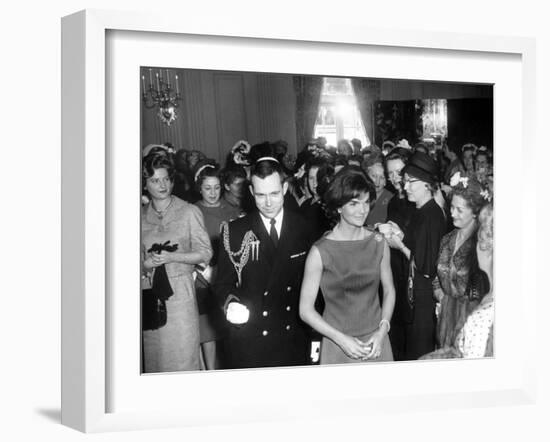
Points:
x=375, y=343
x=395, y=242
x=161, y=258
x=396, y=230
x=353, y=347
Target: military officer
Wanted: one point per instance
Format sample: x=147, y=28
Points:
x=260, y=270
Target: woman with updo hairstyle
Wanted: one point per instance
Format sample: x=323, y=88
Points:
x=456, y=258
x=349, y=263
x=215, y=210
x=173, y=241
x=475, y=338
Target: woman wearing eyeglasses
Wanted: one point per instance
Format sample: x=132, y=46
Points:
x=400, y=211
x=420, y=246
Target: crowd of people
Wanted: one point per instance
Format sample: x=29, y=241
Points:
x=339, y=255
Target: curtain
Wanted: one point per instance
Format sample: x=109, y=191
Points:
x=308, y=94
x=366, y=93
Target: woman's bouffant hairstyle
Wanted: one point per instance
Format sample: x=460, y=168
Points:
x=206, y=169
x=348, y=183
x=324, y=168
x=231, y=173
x=472, y=193
x=399, y=153
x=154, y=161
x=375, y=158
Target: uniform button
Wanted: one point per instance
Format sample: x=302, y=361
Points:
x=288, y=308
x=264, y=333
x=264, y=313
x=288, y=327
x=288, y=289
x=265, y=293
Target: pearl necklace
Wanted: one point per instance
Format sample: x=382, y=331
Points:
x=160, y=213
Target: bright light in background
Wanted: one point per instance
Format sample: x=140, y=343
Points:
x=344, y=109
x=339, y=117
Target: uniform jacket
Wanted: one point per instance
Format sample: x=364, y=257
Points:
x=270, y=288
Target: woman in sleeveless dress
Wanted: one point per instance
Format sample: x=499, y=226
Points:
x=348, y=263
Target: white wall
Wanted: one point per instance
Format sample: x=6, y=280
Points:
x=30, y=116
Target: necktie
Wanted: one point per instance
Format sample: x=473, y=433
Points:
x=273, y=232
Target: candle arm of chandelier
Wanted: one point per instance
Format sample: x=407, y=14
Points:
x=163, y=98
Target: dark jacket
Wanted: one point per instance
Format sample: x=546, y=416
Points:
x=270, y=288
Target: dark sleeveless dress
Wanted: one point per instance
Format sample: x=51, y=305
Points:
x=349, y=283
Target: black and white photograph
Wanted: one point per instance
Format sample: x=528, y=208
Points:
x=293, y=220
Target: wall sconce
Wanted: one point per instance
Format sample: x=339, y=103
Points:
x=161, y=94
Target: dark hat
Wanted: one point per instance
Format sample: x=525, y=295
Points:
x=421, y=166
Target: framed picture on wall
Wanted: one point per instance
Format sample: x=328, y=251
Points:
x=103, y=385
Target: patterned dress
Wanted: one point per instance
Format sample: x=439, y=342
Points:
x=475, y=339
x=175, y=346
x=453, y=273
x=349, y=283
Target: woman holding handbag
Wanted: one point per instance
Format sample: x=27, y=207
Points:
x=173, y=241
x=420, y=246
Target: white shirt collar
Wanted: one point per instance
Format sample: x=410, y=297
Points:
x=278, y=222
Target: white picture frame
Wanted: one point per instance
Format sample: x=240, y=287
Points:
x=90, y=361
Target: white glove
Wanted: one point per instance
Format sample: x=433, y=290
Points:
x=237, y=313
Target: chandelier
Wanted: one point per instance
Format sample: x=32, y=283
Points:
x=160, y=93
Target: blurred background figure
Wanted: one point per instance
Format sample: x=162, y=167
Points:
x=377, y=174
x=234, y=185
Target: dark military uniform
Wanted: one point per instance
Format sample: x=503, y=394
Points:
x=270, y=288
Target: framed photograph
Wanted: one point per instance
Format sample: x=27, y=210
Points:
x=106, y=57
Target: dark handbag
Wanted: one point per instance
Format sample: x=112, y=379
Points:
x=153, y=311
x=153, y=300
x=478, y=285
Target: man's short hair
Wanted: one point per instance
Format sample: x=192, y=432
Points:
x=265, y=168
